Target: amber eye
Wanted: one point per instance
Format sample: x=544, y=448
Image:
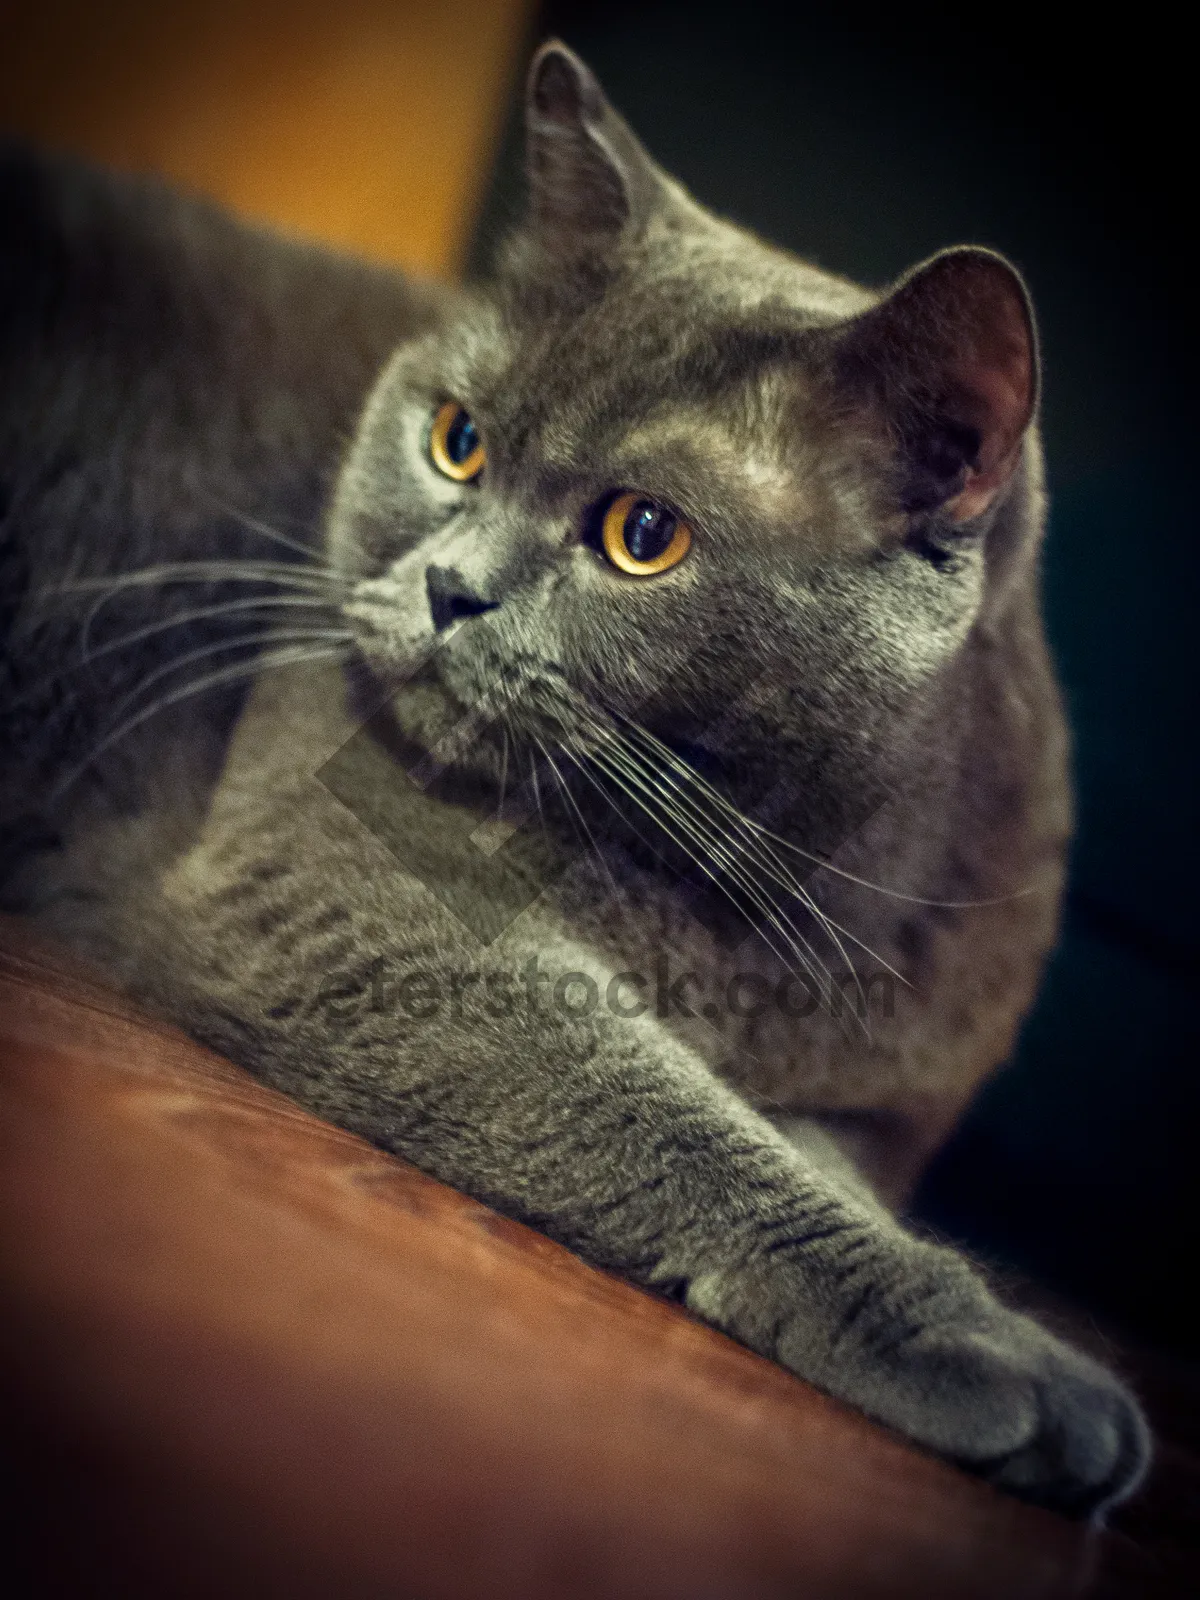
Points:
x=454, y=443
x=642, y=537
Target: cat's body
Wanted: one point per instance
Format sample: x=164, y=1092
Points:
x=296, y=881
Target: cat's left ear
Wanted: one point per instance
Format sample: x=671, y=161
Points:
x=950, y=358
x=589, y=178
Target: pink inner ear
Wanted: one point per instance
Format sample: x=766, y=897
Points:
x=997, y=380
x=981, y=489
x=1003, y=399
x=555, y=87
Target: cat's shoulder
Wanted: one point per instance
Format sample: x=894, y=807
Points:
x=81, y=246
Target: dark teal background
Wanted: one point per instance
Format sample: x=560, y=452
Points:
x=865, y=140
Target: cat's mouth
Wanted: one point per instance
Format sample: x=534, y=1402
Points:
x=474, y=701
x=459, y=699
x=388, y=627
x=398, y=637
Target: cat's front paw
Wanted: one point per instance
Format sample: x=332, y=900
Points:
x=1080, y=1443
x=1013, y=1404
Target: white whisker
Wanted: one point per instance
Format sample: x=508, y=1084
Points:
x=762, y=839
x=688, y=840
x=244, y=641
x=537, y=792
x=268, y=661
x=257, y=526
x=503, y=763
x=283, y=575
x=250, y=607
x=703, y=865
x=822, y=865
x=757, y=859
x=585, y=771
x=578, y=811
x=210, y=571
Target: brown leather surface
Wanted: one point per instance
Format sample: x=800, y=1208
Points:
x=249, y=1354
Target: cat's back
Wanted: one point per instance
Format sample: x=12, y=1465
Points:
x=151, y=342
x=172, y=378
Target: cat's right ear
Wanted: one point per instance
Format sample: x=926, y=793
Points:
x=949, y=359
x=590, y=181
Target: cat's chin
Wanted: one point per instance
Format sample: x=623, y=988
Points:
x=422, y=724
x=386, y=656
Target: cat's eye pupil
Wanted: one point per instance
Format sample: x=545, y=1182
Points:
x=640, y=537
x=648, y=530
x=462, y=437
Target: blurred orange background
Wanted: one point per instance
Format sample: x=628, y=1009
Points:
x=366, y=123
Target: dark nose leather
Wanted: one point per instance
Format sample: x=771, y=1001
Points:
x=451, y=597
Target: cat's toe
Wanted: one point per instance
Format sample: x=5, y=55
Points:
x=1035, y=1417
x=1091, y=1447
x=1006, y=1400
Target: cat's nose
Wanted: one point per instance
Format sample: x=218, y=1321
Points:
x=452, y=597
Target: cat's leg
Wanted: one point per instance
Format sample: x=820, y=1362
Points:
x=343, y=984
x=961, y=1335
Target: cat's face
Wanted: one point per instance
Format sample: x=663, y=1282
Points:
x=662, y=473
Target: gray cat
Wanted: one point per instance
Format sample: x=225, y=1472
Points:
x=648, y=813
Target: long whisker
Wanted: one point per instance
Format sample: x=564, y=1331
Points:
x=621, y=898
x=711, y=831
x=764, y=904
x=827, y=866
x=257, y=526
x=244, y=641
x=577, y=809
x=212, y=571
x=750, y=839
x=261, y=602
x=571, y=752
x=284, y=575
x=822, y=865
x=537, y=791
x=585, y=772
x=503, y=763
x=623, y=787
x=573, y=809
x=757, y=856
x=819, y=861
x=714, y=845
x=763, y=839
x=256, y=603
x=268, y=661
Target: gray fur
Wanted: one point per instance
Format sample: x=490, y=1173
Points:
x=852, y=653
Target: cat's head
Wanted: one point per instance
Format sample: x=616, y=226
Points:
x=659, y=471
